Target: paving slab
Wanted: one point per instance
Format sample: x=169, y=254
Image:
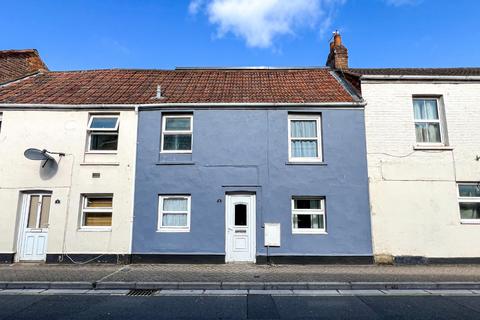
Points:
x=272, y=292
x=113, y=292
x=361, y=292
x=225, y=292
x=405, y=292
x=451, y=292
x=65, y=291
x=179, y=293
x=21, y=291
x=316, y=292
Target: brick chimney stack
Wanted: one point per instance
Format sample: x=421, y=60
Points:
x=338, y=56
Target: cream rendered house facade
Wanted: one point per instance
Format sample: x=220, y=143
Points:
x=423, y=152
x=77, y=206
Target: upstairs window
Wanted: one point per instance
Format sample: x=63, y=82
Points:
x=174, y=214
x=103, y=133
x=428, y=126
x=97, y=211
x=304, y=138
x=177, y=133
x=469, y=202
x=308, y=215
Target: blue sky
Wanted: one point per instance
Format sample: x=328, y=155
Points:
x=163, y=34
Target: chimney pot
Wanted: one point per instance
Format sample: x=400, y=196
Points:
x=338, y=56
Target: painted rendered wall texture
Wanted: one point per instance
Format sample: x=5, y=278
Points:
x=413, y=193
x=247, y=150
x=65, y=131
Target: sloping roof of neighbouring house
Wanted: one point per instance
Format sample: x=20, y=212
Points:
x=16, y=64
x=416, y=71
x=208, y=85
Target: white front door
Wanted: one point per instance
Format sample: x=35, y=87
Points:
x=34, y=233
x=240, y=223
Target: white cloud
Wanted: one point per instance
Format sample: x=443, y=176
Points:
x=398, y=3
x=259, y=22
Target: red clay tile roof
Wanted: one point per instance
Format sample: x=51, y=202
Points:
x=15, y=64
x=120, y=86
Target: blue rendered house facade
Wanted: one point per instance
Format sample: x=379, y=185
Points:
x=251, y=182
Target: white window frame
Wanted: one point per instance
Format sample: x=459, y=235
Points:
x=440, y=121
x=102, y=131
x=467, y=200
x=160, y=227
x=84, y=210
x=320, y=211
x=171, y=132
x=300, y=117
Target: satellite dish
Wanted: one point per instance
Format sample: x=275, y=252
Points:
x=36, y=154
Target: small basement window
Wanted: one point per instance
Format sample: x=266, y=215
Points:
x=97, y=211
x=469, y=202
x=174, y=213
x=177, y=133
x=103, y=133
x=308, y=215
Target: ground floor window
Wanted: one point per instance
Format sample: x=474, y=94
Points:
x=174, y=213
x=97, y=211
x=308, y=215
x=469, y=202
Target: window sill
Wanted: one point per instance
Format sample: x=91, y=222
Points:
x=309, y=232
x=174, y=163
x=95, y=229
x=435, y=148
x=173, y=230
x=305, y=163
x=99, y=163
x=470, y=221
x=101, y=152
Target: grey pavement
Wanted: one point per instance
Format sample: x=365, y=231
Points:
x=238, y=273
x=86, y=306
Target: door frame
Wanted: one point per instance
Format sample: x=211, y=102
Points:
x=252, y=226
x=25, y=202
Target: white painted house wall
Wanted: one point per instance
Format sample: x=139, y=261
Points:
x=66, y=131
x=413, y=193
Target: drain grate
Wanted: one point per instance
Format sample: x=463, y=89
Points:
x=141, y=292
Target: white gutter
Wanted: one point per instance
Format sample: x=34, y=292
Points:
x=187, y=105
x=419, y=77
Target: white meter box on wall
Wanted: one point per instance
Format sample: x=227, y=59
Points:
x=272, y=234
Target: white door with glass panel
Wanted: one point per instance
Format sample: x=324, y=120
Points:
x=33, y=241
x=240, y=233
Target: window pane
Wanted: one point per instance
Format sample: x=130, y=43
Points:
x=177, y=142
x=308, y=221
x=307, y=203
x=470, y=210
x=304, y=149
x=32, y=212
x=93, y=202
x=431, y=111
x=418, y=109
x=45, y=211
x=176, y=124
x=174, y=220
x=428, y=132
x=303, y=128
x=240, y=215
x=175, y=204
x=469, y=190
x=104, y=123
x=98, y=219
x=103, y=142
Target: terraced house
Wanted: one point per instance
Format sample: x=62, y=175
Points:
x=73, y=202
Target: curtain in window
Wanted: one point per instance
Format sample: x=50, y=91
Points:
x=425, y=109
x=175, y=204
x=304, y=149
x=174, y=220
x=428, y=132
x=303, y=129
